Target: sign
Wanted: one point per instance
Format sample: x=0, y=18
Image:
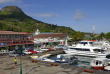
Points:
x=16, y=47
x=50, y=39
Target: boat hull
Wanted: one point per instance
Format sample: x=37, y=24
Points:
x=99, y=67
x=61, y=61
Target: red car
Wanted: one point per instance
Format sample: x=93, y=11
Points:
x=50, y=49
x=30, y=50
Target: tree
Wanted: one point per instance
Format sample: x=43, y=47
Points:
x=102, y=35
x=107, y=36
x=92, y=36
x=77, y=36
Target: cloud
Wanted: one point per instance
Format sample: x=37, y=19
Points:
x=78, y=15
x=47, y=15
x=8, y=1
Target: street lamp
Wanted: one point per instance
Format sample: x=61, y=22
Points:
x=20, y=48
x=20, y=60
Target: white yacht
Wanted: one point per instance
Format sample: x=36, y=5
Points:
x=86, y=48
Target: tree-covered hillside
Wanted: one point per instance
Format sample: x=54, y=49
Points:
x=13, y=18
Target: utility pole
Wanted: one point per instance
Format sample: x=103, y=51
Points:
x=93, y=29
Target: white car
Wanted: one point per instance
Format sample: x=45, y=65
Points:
x=38, y=50
x=44, y=49
x=60, y=47
x=26, y=52
x=13, y=54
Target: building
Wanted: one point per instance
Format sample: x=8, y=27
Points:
x=50, y=38
x=11, y=39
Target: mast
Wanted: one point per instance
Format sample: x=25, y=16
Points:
x=93, y=29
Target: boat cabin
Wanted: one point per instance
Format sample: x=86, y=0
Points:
x=87, y=49
x=65, y=58
x=86, y=43
x=99, y=63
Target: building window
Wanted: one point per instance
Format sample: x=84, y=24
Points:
x=9, y=36
x=3, y=36
x=16, y=36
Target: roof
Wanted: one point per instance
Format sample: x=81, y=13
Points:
x=53, y=35
x=12, y=32
x=101, y=59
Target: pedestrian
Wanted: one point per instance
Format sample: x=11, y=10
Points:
x=15, y=60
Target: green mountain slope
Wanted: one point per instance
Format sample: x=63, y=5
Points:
x=13, y=18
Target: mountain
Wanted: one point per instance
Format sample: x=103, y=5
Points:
x=12, y=18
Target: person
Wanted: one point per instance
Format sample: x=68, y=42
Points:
x=15, y=60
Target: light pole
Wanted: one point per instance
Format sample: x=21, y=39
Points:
x=19, y=48
x=20, y=61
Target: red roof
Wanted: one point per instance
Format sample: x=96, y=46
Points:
x=53, y=35
x=91, y=40
x=26, y=32
x=12, y=32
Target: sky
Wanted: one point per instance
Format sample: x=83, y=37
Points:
x=80, y=15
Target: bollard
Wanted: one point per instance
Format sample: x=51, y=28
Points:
x=51, y=64
x=34, y=61
x=55, y=64
x=86, y=70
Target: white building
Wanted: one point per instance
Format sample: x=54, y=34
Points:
x=46, y=38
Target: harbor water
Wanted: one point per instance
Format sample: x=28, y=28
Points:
x=81, y=61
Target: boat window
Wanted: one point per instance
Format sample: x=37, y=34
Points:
x=76, y=48
x=100, y=62
x=86, y=49
x=96, y=62
x=83, y=43
x=91, y=43
x=108, y=56
x=97, y=50
x=72, y=48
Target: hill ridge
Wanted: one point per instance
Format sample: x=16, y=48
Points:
x=14, y=19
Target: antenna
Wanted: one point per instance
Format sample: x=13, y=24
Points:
x=93, y=29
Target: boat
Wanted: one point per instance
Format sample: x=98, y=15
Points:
x=65, y=58
x=107, y=68
x=106, y=45
x=99, y=63
x=85, y=43
x=86, y=48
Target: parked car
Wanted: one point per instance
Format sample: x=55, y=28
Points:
x=30, y=50
x=33, y=51
x=4, y=51
x=44, y=49
x=13, y=54
x=60, y=47
x=50, y=49
x=21, y=53
x=39, y=50
x=27, y=52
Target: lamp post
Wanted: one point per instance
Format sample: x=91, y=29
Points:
x=20, y=61
x=19, y=48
